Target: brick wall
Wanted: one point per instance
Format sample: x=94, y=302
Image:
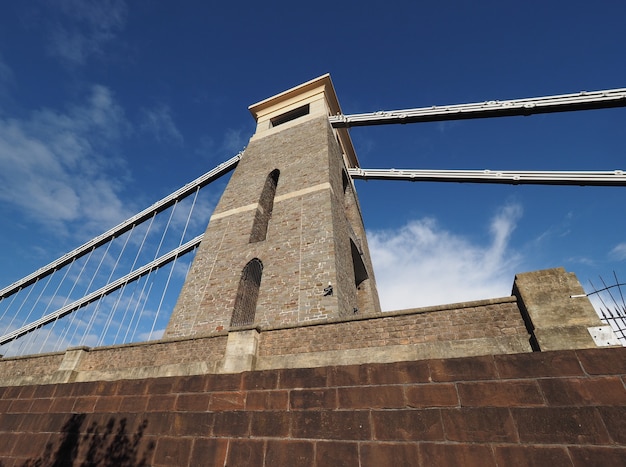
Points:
x=565, y=408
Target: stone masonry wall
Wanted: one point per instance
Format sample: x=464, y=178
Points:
x=473, y=328
x=563, y=408
x=487, y=319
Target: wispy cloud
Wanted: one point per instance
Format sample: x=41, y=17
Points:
x=55, y=165
x=619, y=252
x=83, y=27
x=423, y=264
x=159, y=122
x=234, y=141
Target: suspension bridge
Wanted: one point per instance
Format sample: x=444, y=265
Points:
x=121, y=286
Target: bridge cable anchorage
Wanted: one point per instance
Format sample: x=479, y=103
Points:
x=521, y=107
x=103, y=291
x=577, y=178
x=125, y=226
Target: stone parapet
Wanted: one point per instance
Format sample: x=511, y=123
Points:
x=556, y=310
x=472, y=328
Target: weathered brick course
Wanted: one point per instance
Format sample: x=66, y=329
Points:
x=349, y=415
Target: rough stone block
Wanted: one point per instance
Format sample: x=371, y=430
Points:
x=133, y=387
x=303, y=378
x=158, y=423
x=230, y=400
x=313, y=399
x=227, y=382
x=194, y=402
x=399, y=373
x=463, y=369
x=614, y=419
x=20, y=406
x=348, y=375
x=500, y=394
x=156, y=386
x=572, y=425
x=62, y=404
x=260, y=380
x=208, y=451
x=337, y=454
x=267, y=400
x=431, y=395
x=30, y=446
x=270, y=424
x=44, y=390
x=161, y=403
x=479, y=425
x=538, y=364
x=10, y=422
x=85, y=404
x=339, y=425
x=584, y=391
x=7, y=442
x=232, y=424
x=373, y=397
x=592, y=456
x=454, y=455
x=525, y=455
x=392, y=454
x=407, y=425
x=110, y=404
x=4, y=405
x=133, y=403
x=64, y=390
x=603, y=361
x=296, y=453
x=245, y=452
x=193, y=383
x=192, y=424
x=172, y=452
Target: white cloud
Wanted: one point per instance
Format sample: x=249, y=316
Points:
x=84, y=27
x=234, y=141
x=422, y=264
x=54, y=167
x=158, y=121
x=619, y=251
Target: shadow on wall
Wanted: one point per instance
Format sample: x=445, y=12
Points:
x=109, y=445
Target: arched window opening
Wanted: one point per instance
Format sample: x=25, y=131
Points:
x=265, y=207
x=247, y=294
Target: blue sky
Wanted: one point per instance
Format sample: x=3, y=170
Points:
x=107, y=106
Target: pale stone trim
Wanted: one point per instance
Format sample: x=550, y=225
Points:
x=293, y=194
x=230, y=212
x=304, y=191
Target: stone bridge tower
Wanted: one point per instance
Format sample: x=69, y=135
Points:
x=286, y=243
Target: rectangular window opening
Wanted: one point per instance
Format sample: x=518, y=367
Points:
x=291, y=115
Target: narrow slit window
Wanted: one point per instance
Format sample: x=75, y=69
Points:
x=265, y=207
x=360, y=271
x=247, y=294
x=291, y=115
